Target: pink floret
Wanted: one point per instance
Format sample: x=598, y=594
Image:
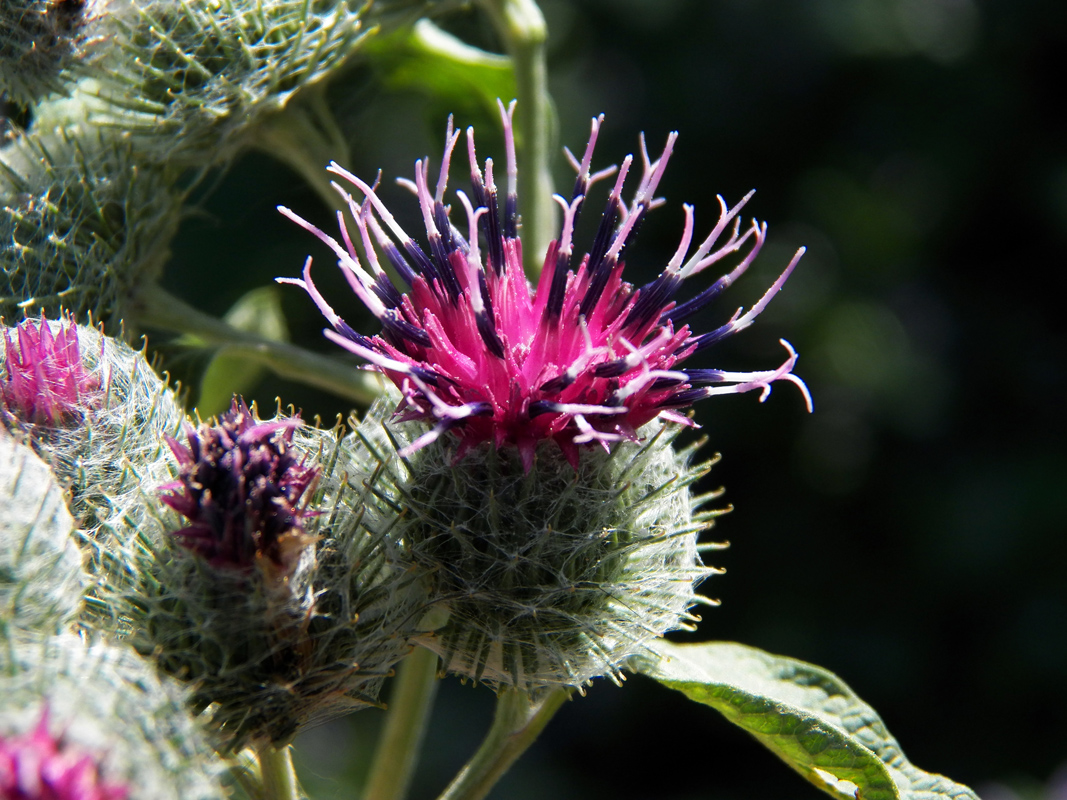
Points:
x=583, y=358
x=39, y=766
x=44, y=379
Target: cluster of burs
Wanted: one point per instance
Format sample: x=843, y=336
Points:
x=228, y=583
x=173, y=591
x=116, y=107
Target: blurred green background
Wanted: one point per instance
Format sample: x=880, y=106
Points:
x=911, y=534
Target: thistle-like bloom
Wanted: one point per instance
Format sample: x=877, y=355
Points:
x=45, y=380
x=242, y=487
x=39, y=766
x=584, y=358
x=306, y=614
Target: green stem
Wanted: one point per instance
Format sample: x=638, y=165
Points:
x=521, y=26
x=244, y=771
x=277, y=773
x=155, y=307
x=306, y=137
x=409, y=711
x=517, y=722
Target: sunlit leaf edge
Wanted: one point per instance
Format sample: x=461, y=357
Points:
x=804, y=714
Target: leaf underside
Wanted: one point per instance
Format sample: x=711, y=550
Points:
x=804, y=714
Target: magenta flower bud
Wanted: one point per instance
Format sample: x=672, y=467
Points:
x=44, y=379
x=94, y=411
x=582, y=358
x=41, y=766
x=284, y=601
x=242, y=487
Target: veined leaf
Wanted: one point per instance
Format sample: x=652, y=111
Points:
x=805, y=715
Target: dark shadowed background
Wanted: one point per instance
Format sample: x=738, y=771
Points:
x=911, y=534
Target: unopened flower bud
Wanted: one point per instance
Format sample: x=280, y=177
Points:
x=192, y=98
x=40, y=765
x=45, y=380
x=82, y=226
x=84, y=721
x=69, y=701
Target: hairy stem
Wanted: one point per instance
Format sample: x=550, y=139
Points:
x=154, y=307
x=516, y=724
x=405, y=725
x=277, y=773
x=521, y=26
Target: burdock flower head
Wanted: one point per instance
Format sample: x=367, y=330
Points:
x=95, y=412
x=554, y=562
x=584, y=358
x=280, y=600
x=44, y=380
x=242, y=487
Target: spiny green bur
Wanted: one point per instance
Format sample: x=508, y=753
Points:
x=118, y=443
x=108, y=703
x=265, y=658
x=82, y=225
x=556, y=576
x=41, y=43
x=188, y=79
x=41, y=577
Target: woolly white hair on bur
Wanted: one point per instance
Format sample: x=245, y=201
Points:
x=110, y=705
x=41, y=577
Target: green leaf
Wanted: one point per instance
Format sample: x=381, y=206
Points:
x=805, y=715
x=428, y=59
x=260, y=312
